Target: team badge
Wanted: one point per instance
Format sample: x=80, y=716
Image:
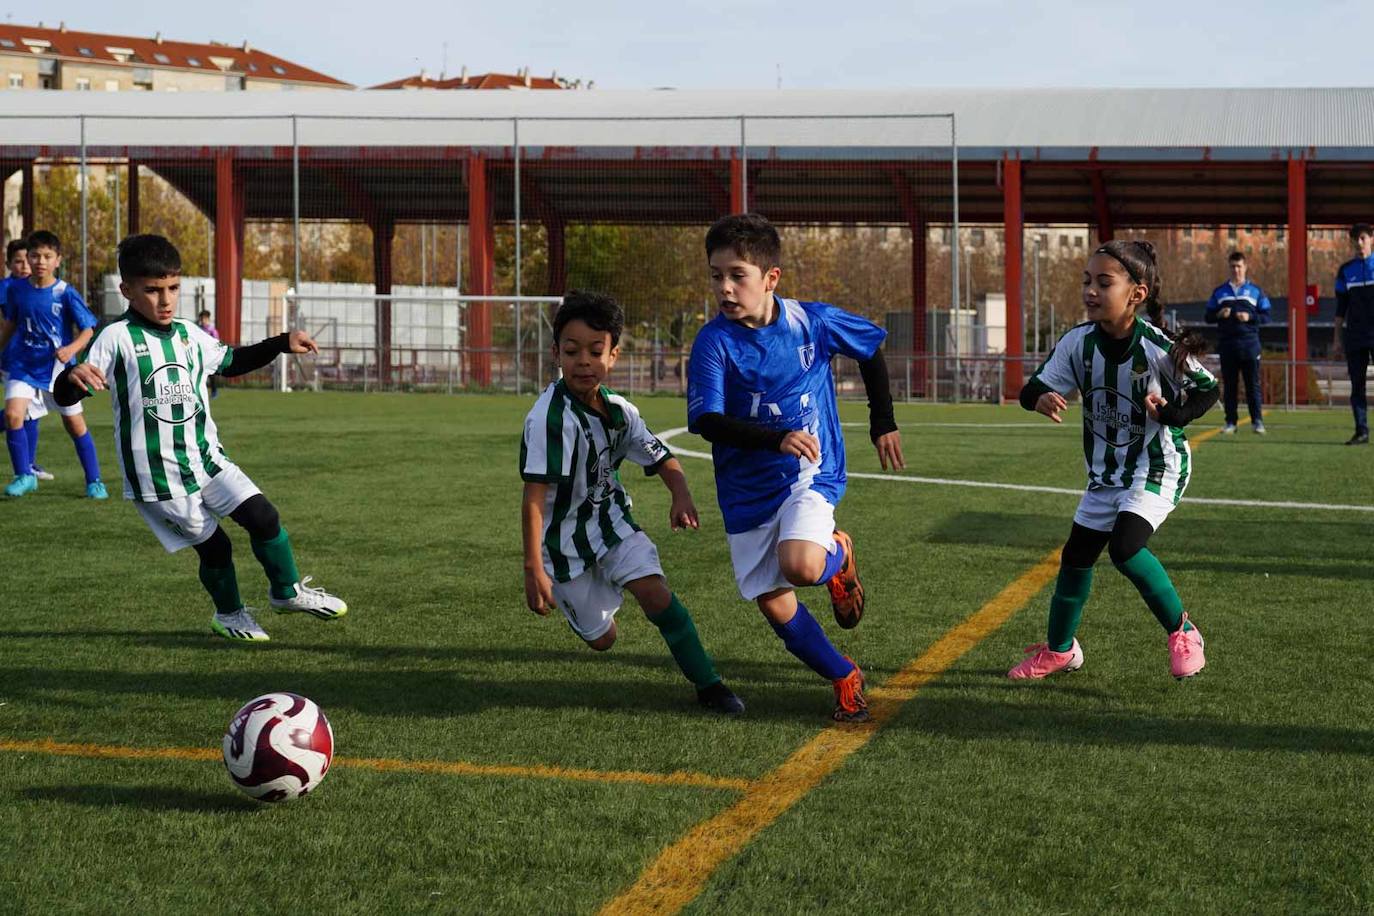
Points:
x=807, y=354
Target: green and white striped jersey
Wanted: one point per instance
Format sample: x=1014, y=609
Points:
x=158, y=378
x=1122, y=445
x=577, y=452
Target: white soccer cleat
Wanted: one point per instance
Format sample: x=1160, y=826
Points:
x=239, y=626
x=315, y=601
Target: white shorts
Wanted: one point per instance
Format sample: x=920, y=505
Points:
x=805, y=516
x=1098, y=508
x=190, y=520
x=590, y=601
x=40, y=401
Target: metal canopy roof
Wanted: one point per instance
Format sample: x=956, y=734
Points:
x=1148, y=157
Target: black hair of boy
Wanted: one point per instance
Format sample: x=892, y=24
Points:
x=14, y=247
x=42, y=238
x=1235, y=257
x=1360, y=229
x=596, y=310
x=148, y=255
x=750, y=236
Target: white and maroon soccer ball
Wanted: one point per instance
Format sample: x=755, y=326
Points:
x=278, y=747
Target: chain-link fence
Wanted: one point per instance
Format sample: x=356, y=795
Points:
x=430, y=252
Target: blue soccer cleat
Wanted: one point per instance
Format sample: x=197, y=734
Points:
x=22, y=485
x=96, y=490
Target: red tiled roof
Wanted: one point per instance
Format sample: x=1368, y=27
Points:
x=149, y=52
x=477, y=81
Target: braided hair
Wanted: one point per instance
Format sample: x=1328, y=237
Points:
x=1138, y=257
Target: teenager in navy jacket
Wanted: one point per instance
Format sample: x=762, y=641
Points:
x=1355, y=323
x=1238, y=308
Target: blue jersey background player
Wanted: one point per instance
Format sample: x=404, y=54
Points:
x=1238, y=308
x=45, y=325
x=17, y=262
x=760, y=390
x=1354, y=334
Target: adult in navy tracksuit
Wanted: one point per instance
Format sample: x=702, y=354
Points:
x=1355, y=322
x=1238, y=307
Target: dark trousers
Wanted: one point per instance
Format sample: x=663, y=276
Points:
x=1237, y=364
x=1357, y=361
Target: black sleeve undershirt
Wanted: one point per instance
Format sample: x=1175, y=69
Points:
x=1031, y=392
x=1199, y=402
x=65, y=391
x=718, y=429
x=255, y=356
x=878, y=387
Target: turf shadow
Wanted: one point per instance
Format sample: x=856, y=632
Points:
x=976, y=720
x=147, y=798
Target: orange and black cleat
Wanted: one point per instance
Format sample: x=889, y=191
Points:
x=846, y=591
x=850, y=705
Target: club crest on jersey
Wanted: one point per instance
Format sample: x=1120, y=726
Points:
x=167, y=388
x=1114, y=418
x=807, y=353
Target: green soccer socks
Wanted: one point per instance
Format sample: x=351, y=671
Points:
x=675, y=623
x=1066, y=607
x=1148, y=576
x=279, y=563
x=223, y=585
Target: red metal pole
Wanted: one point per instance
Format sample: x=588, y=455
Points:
x=1101, y=208
x=1014, y=229
x=558, y=257
x=919, y=330
x=737, y=202
x=1297, y=273
x=228, y=249
x=481, y=272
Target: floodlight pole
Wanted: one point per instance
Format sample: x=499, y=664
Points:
x=85, y=218
x=295, y=205
x=515, y=141
x=954, y=241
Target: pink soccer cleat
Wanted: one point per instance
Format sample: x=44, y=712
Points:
x=1185, y=651
x=1041, y=660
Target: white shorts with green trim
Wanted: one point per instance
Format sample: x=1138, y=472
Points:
x=1098, y=508
x=805, y=516
x=590, y=601
x=190, y=520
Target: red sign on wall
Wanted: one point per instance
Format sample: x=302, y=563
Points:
x=1313, y=294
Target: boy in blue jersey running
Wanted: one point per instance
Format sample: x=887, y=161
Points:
x=37, y=342
x=17, y=261
x=760, y=390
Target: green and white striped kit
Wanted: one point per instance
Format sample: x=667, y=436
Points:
x=578, y=454
x=1122, y=445
x=158, y=382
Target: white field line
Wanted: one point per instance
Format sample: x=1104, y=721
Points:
x=667, y=436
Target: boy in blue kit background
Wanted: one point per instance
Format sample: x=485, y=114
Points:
x=17, y=261
x=760, y=390
x=37, y=340
x=1355, y=323
x=1238, y=308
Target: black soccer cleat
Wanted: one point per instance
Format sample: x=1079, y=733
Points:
x=1358, y=439
x=721, y=699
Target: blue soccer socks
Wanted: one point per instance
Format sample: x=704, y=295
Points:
x=834, y=562
x=805, y=639
x=18, y=443
x=85, y=451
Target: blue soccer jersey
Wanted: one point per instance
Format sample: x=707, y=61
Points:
x=46, y=319
x=776, y=376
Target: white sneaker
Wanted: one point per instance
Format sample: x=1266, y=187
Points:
x=41, y=472
x=1259, y=429
x=239, y=625
x=315, y=601
x=1229, y=429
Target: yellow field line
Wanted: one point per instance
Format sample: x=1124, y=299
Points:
x=446, y=767
x=678, y=874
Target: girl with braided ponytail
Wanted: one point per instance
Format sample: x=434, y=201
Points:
x=1140, y=386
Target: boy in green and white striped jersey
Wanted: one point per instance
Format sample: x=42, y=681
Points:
x=582, y=546
x=157, y=367
x=1140, y=387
